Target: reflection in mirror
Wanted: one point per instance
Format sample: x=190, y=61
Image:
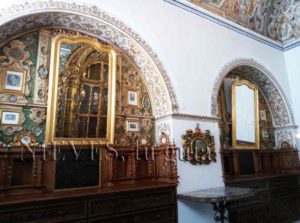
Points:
x=245, y=121
x=83, y=76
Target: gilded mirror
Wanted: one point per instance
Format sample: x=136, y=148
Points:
x=245, y=119
x=81, y=91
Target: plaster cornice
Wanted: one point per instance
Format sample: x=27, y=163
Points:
x=281, y=35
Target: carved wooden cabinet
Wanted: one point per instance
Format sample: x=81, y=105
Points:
x=20, y=172
x=140, y=203
x=239, y=164
x=125, y=187
x=277, y=200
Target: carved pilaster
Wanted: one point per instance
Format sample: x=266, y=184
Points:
x=42, y=68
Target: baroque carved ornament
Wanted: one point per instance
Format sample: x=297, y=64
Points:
x=198, y=147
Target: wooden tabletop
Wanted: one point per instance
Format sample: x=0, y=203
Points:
x=218, y=194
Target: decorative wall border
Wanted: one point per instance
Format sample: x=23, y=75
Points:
x=233, y=26
x=160, y=86
x=190, y=117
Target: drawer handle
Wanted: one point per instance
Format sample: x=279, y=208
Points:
x=158, y=216
x=112, y=205
x=157, y=198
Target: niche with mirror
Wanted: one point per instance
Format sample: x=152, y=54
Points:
x=82, y=91
x=245, y=120
x=245, y=117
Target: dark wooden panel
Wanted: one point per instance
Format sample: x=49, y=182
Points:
x=44, y=212
x=72, y=172
x=277, y=200
x=130, y=202
x=134, y=203
x=22, y=172
x=246, y=163
x=166, y=214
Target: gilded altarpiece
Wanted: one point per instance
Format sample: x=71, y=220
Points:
x=27, y=53
x=129, y=80
x=134, y=120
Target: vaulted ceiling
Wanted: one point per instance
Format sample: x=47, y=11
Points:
x=278, y=20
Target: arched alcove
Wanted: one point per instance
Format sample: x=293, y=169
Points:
x=96, y=23
x=283, y=119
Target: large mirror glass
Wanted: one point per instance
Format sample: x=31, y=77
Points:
x=81, y=98
x=245, y=120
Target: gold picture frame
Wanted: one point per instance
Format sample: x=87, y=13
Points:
x=11, y=116
x=132, y=126
x=13, y=80
x=132, y=98
x=50, y=137
x=235, y=143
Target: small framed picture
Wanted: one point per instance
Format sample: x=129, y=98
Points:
x=265, y=134
x=10, y=118
x=263, y=115
x=13, y=80
x=132, y=98
x=132, y=126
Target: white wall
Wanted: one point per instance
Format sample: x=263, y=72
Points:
x=292, y=58
x=195, y=177
x=193, y=51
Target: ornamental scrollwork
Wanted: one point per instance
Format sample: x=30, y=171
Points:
x=198, y=147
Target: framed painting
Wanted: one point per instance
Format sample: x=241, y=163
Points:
x=263, y=115
x=13, y=81
x=132, y=126
x=132, y=98
x=10, y=118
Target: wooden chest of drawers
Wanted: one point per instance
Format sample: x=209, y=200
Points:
x=277, y=200
x=152, y=203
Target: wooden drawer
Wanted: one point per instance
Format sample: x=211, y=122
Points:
x=255, y=184
x=119, y=204
x=54, y=212
x=162, y=215
x=283, y=182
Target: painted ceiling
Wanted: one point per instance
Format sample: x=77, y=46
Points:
x=278, y=20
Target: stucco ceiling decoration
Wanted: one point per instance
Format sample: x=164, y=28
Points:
x=278, y=20
x=94, y=22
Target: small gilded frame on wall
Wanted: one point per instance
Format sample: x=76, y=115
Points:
x=10, y=117
x=13, y=80
x=199, y=147
x=132, y=126
x=132, y=98
x=263, y=115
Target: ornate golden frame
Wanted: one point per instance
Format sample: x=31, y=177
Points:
x=256, y=115
x=3, y=74
x=53, y=83
x=132, y=121
x=137, y=98
x=13, y=110
x=192, y=154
